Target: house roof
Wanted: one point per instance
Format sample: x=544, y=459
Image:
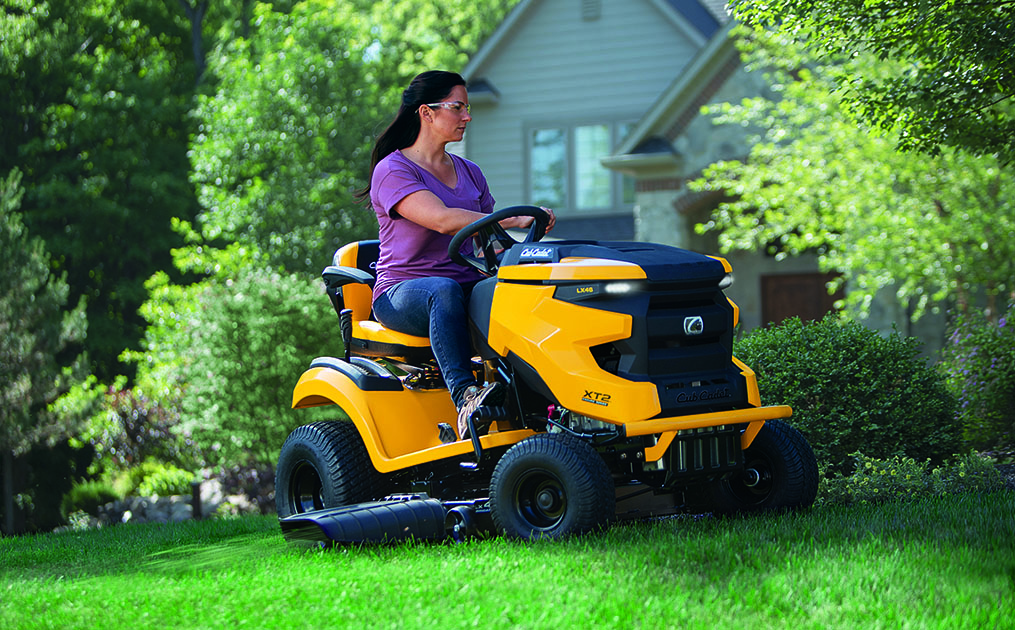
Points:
x=700, y=19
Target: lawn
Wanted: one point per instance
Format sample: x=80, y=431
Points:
x=934, y=563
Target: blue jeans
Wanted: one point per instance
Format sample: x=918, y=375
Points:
x=436, y=308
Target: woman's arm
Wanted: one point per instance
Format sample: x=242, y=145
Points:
x=425, y=208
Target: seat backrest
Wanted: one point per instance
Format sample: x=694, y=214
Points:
x=361, y=255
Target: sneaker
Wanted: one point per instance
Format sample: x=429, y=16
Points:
x=474, y=398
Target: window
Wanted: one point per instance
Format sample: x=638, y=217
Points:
x=548, y=166
x=593, y=180
x=565, y=172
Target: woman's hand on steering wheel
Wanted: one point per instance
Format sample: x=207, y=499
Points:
x=524, y=221
x=492, y=239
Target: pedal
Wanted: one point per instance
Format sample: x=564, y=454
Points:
x=490, y=414
x=446, y=433
x=482, y=417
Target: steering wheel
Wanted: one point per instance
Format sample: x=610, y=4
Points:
x=489, y=235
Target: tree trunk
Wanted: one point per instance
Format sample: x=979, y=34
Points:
x=8, y=472
x=196, y=16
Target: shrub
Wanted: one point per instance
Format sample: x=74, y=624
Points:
x=238, y=344
x=900, y=478
x=166, y=481
x=87, y=496
x=979, y=365
x=132, y=428
x=852, y=389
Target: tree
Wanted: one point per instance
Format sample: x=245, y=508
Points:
x=953, y=82
x=96, y=119
x=285, y=139
x=38, y=358
x=413, y=35
x=933, y=229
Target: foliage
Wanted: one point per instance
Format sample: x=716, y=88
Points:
x=232, y=348
x=97, y=105
x=952, y=83
x=979, y=364
x=286, y=137
x=166, y=481
x=94, y=113
x=38, y=358
x=932, y=230
x=131, y=428
x=852, y=389
x=901, y=478
x=412, y=36
x=88, y=497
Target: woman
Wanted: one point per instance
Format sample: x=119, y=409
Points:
x=422, y=196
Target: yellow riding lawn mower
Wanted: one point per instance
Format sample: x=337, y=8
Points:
x=624, y=400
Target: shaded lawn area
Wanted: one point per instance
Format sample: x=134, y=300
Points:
x=933, y=563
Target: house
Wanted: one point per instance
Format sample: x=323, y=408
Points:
x=593, y=108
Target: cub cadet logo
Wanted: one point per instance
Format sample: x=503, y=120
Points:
x=703, y=395
x=694, y=325
x=536, y=252
x=596, y=398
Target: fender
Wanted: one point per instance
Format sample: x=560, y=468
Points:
x=399, y=428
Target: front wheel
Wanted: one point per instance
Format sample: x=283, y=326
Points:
x=780, y=472
x=551, y=485
x=324, y=465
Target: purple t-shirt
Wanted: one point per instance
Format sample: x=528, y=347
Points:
x=409, y=250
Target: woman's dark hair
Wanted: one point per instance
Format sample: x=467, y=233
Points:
x=428, y=87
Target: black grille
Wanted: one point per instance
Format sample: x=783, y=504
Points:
x=706, y=452
x=681, y=340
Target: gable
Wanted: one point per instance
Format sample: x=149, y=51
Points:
x=558, y=36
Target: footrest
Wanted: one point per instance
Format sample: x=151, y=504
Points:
x=446, y=433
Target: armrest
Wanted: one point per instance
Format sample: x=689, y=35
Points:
x=335, y=277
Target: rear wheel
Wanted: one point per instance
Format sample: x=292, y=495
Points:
x=780, y=472
x=323, y=465
x=551, y=485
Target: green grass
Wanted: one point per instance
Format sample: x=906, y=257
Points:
x=936, y=563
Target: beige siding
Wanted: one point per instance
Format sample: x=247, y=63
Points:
x=556, y=68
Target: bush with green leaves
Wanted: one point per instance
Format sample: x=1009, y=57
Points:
x=979, y=364
x=166, y=481
x=900, y=478
x=88, y=497
x=232, y=348
x=131, y=428
x=853, y=389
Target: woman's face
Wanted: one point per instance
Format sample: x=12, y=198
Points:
x=450, y=116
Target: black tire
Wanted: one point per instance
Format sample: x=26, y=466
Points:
x=551, y=485
x=780, y=472
x=324, y=465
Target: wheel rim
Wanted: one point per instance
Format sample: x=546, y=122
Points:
x=540, y=499
x=305, y=489
x=755, y=483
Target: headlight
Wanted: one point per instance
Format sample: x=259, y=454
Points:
x=619, y=288
x=726, y=282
